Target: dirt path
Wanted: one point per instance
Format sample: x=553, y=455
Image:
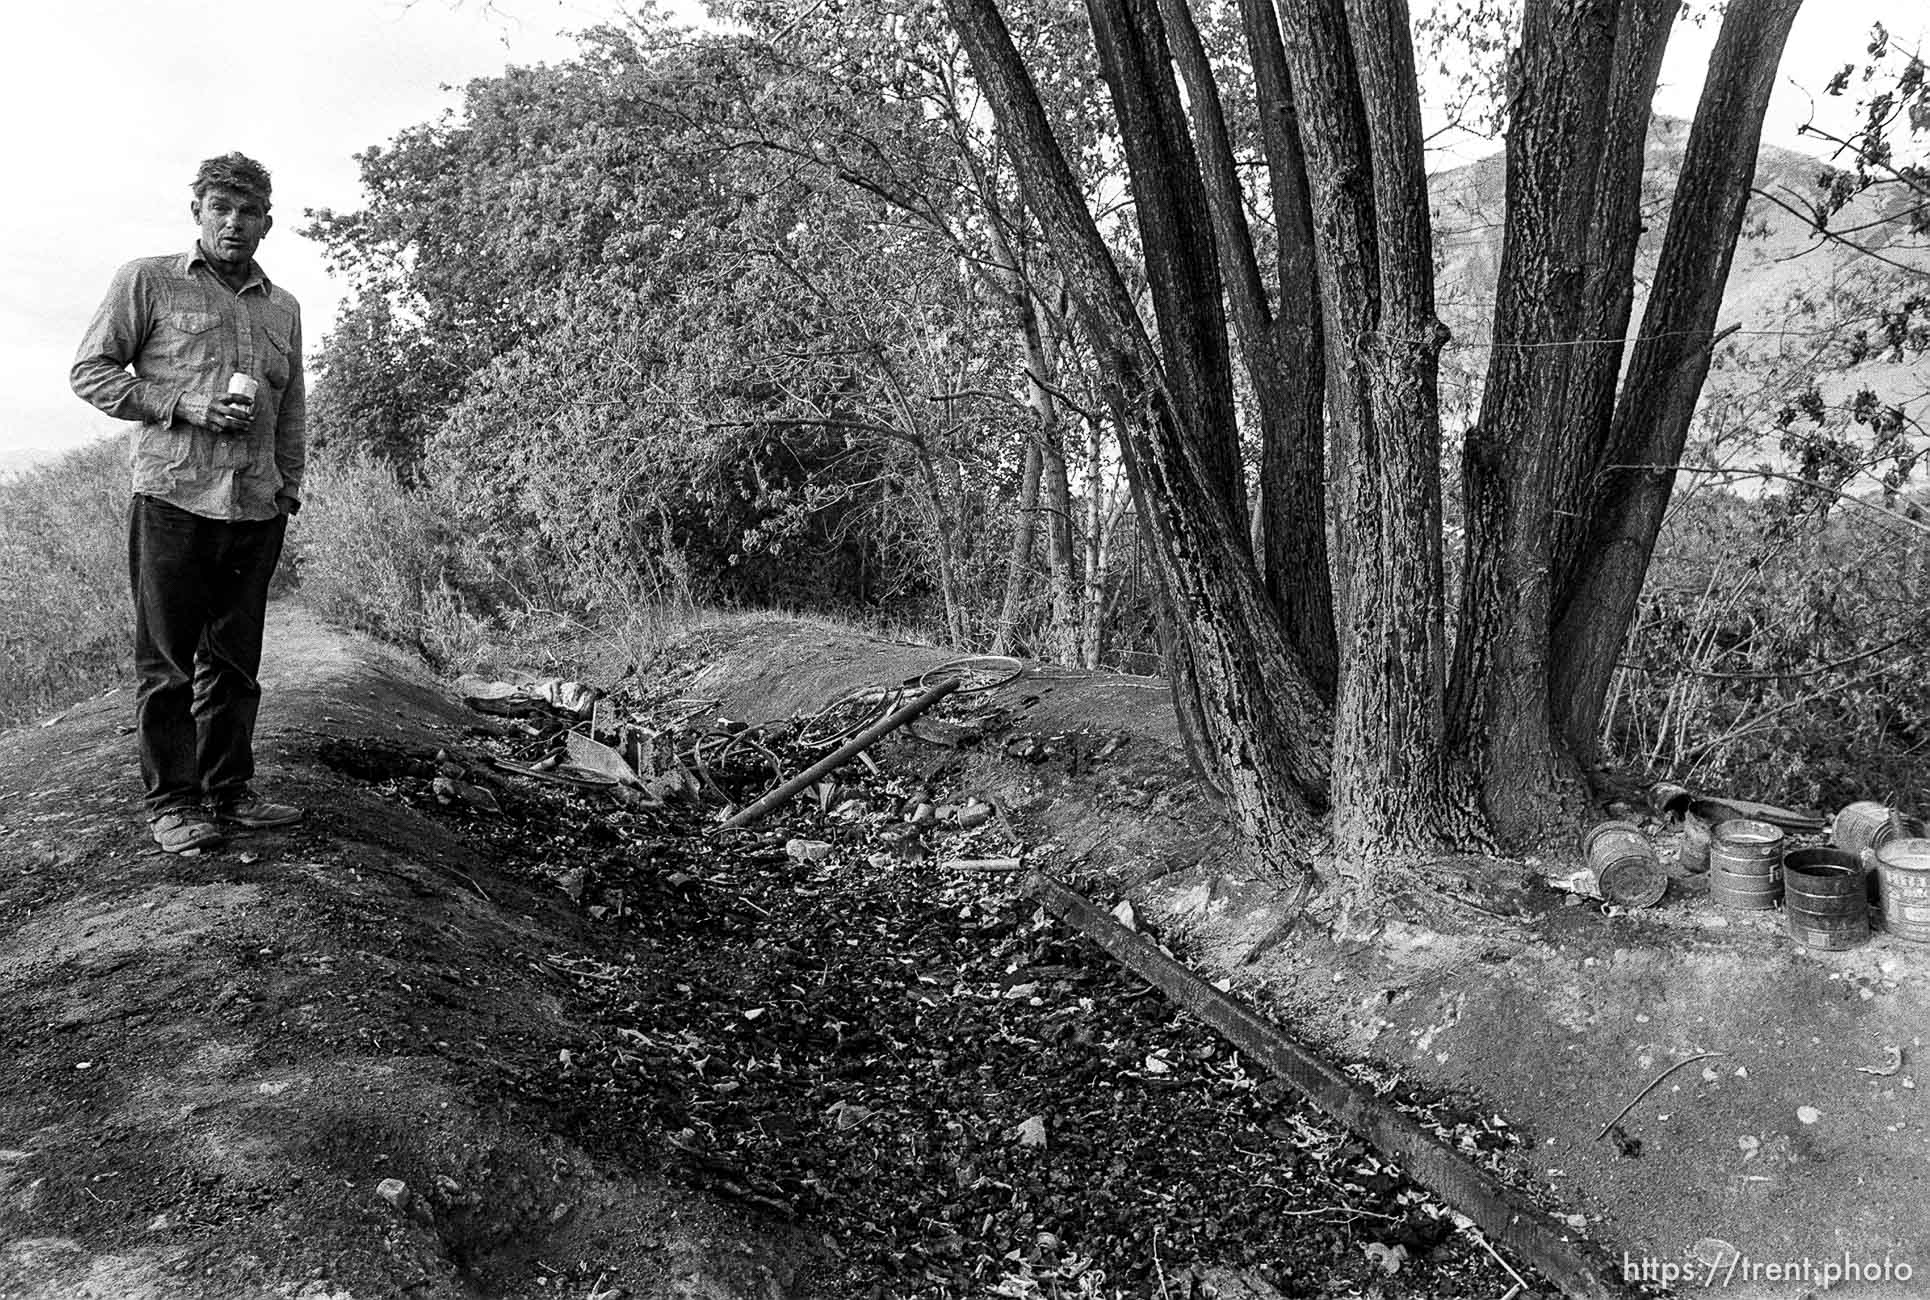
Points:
x=214, y=1062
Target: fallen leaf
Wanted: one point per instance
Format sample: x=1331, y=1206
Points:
x=1390, y=1258
x=1031, y=1133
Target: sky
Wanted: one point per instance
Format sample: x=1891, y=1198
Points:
x=110, y=105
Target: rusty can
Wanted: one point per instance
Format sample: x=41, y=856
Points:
x=1903, y=885
x=1867, y=824
x=1746, y=864
x=1826, y=904
x=1626, y=869
x=1667, y=799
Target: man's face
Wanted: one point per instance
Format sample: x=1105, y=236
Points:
x=232, y=224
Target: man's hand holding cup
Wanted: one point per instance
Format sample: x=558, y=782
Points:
x=234, y=411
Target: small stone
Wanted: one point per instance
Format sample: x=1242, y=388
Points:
x=1808, y=1114
x=1031, y=1133
x=394, y=1191
x=1125, y=915
x=450, y=790
x=803, y=850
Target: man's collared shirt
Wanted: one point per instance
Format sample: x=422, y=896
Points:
x=185, y=332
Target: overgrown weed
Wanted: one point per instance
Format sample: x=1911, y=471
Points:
x=66, y=621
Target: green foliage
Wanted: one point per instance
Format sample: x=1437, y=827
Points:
x=66, y=621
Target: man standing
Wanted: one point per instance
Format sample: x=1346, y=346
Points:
x=215, y=349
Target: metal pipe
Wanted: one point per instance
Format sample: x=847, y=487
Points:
x=844, y=753
x=1550, y=1247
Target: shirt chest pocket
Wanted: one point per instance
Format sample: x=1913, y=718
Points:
x=188, y=322
x=188, y=336
x=274, y=359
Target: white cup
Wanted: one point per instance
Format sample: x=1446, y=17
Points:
x=244, y=386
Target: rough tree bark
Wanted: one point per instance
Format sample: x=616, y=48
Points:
x=1266, y=724
x=1018, y=565
x=1353, y=76
x=1284, y=365
x=1499, y=702
x=1669, y=362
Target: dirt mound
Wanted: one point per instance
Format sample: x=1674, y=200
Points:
x=217, y=1063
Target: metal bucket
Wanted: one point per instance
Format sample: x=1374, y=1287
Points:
x=1627, y=872
x=1699, y=821
x=1867, y=824
x=1903, y=883
x=1746, y=864
x=1827, y=904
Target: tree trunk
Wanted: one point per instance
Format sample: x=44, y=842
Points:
x=1100, y=519
x=1499, y=703
x=1360, y=126
x=1608, y=282
x=1266, y=725
x=1669, y=363
x=1055, y=504
x=1293, y=465
x=1288, y=396
x=1024, y=532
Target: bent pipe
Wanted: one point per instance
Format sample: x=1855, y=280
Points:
x=1531, y=1233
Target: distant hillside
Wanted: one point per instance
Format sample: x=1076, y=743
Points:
x=1791, y=294
x=17, y=460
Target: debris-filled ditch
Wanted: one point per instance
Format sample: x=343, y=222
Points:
x=849, y=1018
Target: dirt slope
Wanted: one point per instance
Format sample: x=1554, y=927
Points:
x=214, y=1062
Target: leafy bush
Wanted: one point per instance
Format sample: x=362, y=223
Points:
x=1779, y=653
x=66, y=622
x=373, y=555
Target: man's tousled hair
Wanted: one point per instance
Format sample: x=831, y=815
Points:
x=233, y=171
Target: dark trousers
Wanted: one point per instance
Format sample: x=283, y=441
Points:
x=200, y=600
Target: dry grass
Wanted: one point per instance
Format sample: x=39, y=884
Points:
x=66, y=624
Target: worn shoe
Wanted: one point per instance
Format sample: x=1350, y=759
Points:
x=184, y=832
x=257, y=813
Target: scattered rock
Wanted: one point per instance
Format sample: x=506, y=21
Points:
x=451, y=791
x=803, y=850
